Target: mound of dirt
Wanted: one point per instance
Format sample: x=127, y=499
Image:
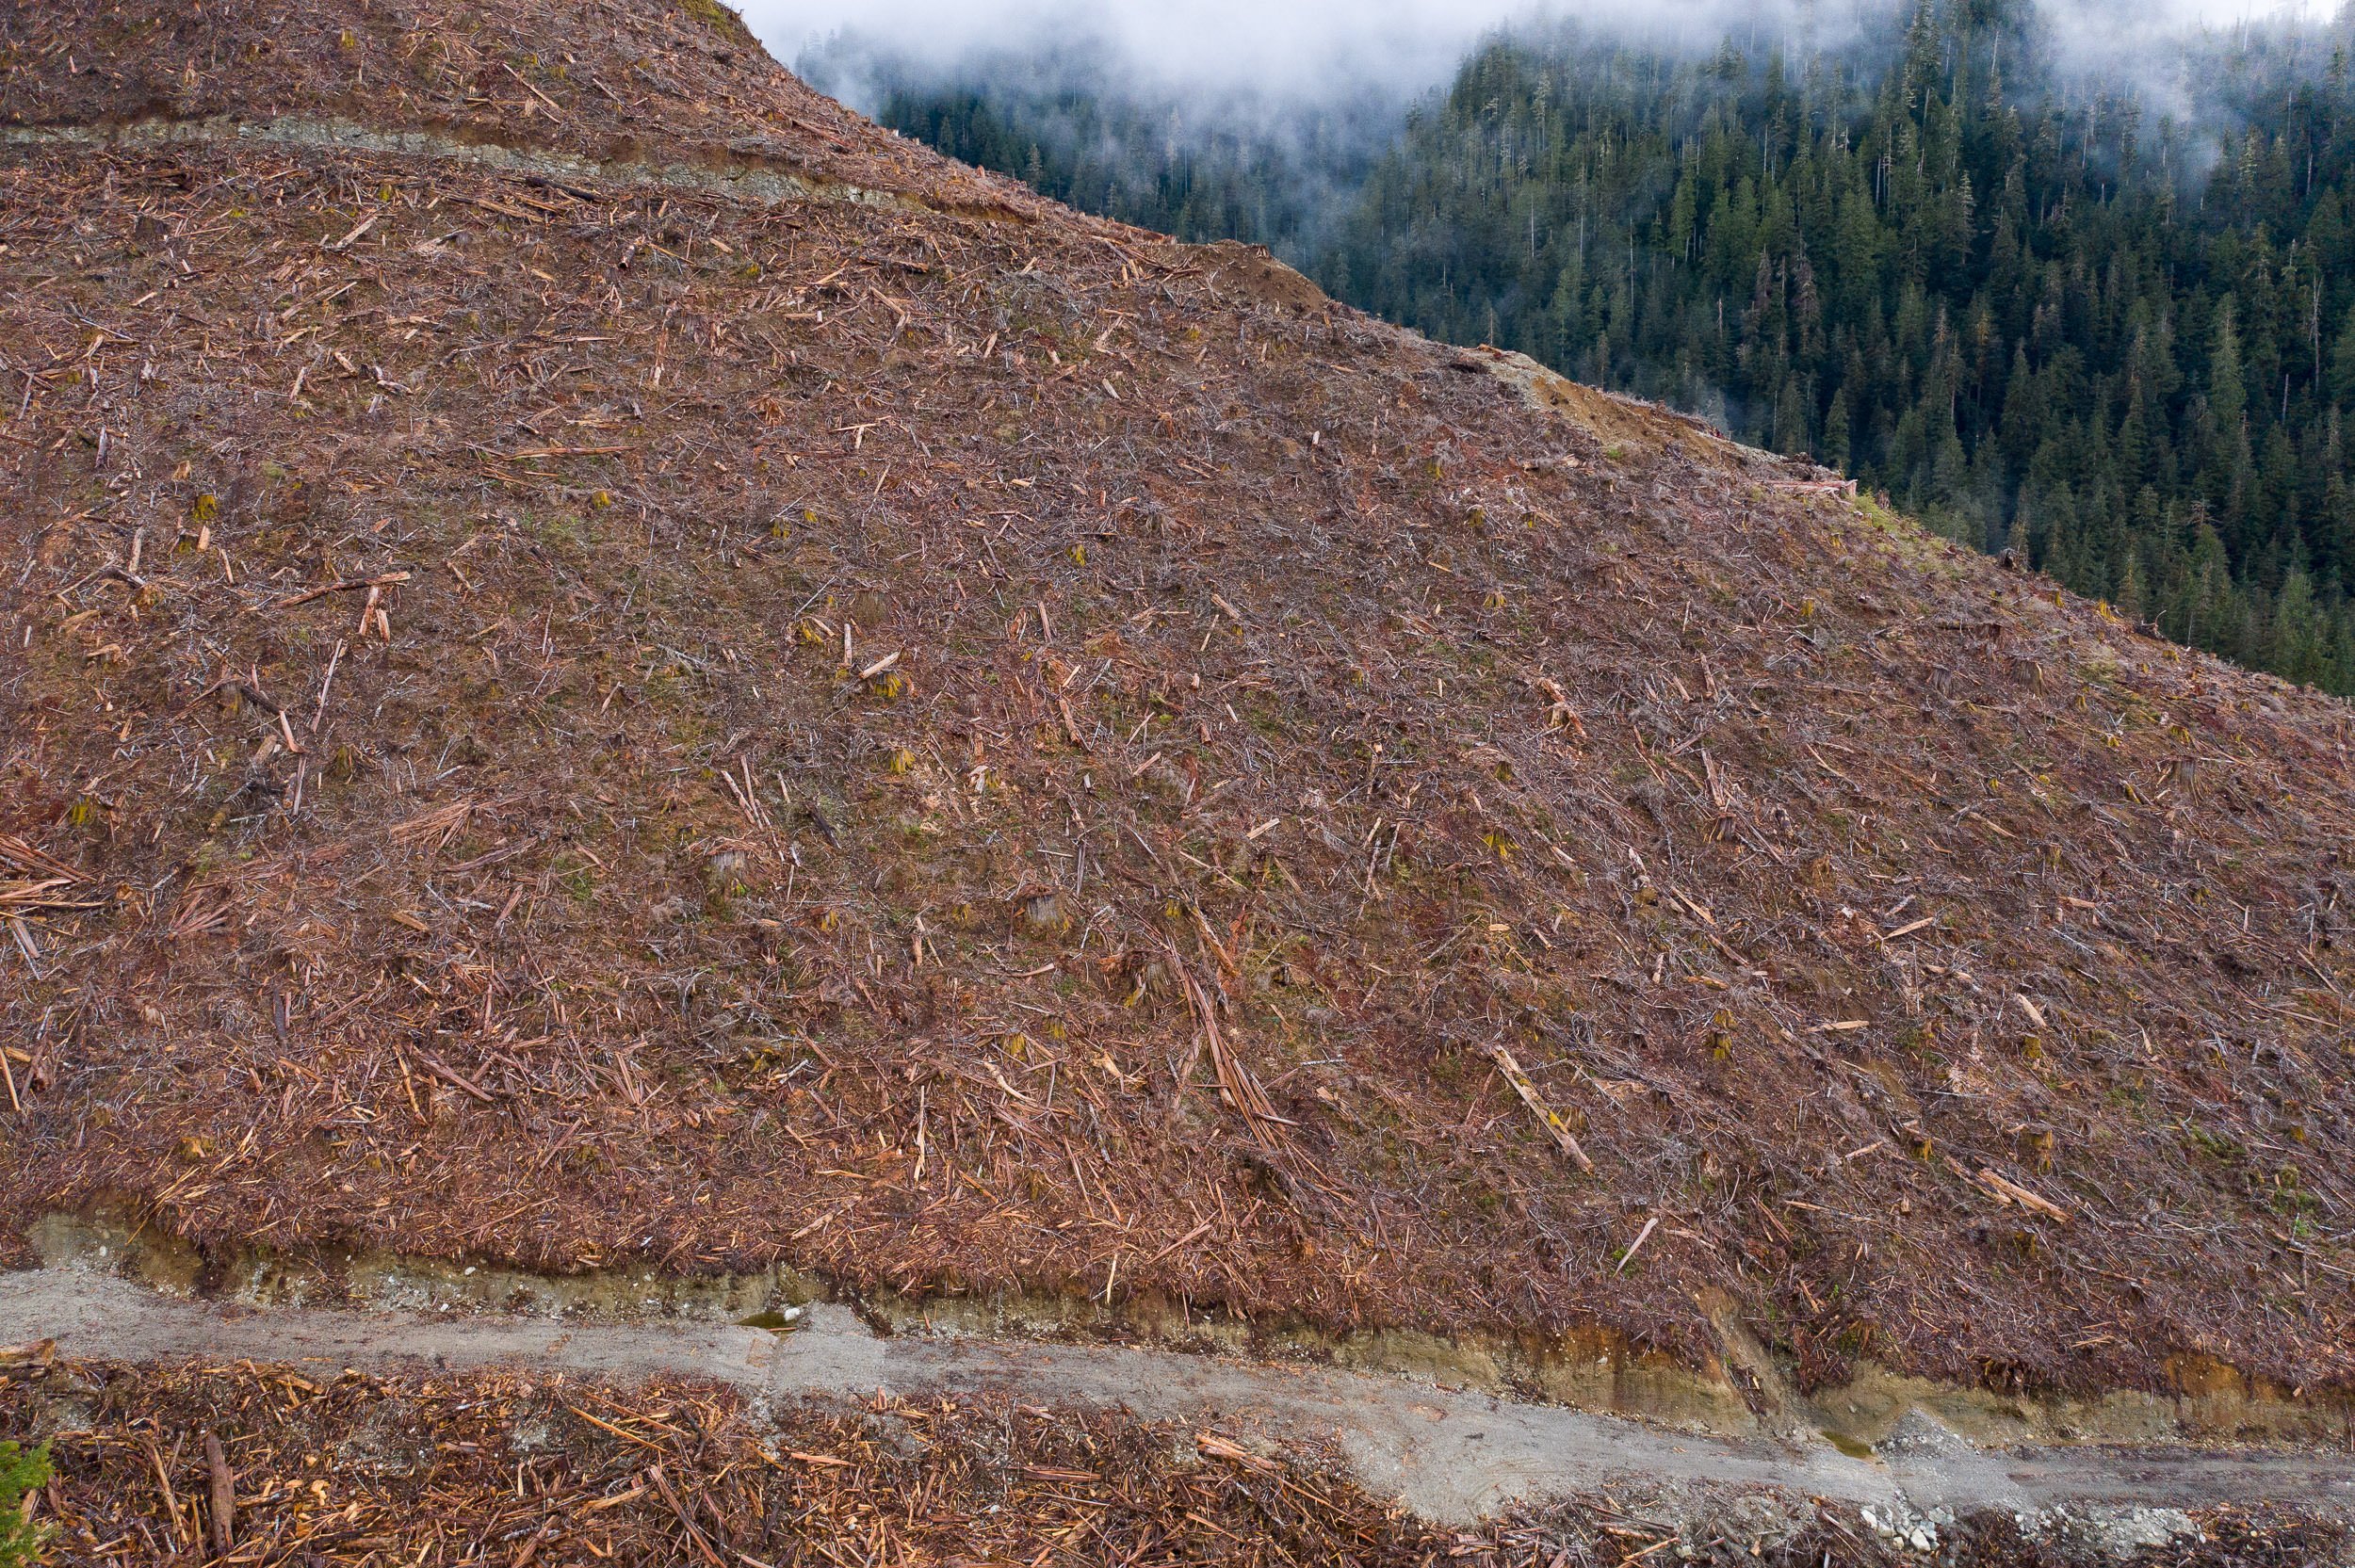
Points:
x=565, y=704
x=1249, y=270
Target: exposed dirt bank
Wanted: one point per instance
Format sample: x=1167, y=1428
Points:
x=1448, y=1454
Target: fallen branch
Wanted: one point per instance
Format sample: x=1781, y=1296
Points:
x=451, y=1076
x=2021, y=1195
x=224, y=1498
x=1564, y=1138
x=347, y=585
x=1235, y=1080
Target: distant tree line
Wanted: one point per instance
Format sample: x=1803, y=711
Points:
x=2038, y=313
x=1078, y=124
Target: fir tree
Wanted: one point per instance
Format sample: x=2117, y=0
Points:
x=22, y=1474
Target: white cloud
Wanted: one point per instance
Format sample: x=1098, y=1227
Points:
x=1292, y=48
x=1248, y=43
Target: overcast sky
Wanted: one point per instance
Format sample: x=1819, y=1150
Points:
x=1410, y=43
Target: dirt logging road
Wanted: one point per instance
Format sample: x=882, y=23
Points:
x=1450, y=1456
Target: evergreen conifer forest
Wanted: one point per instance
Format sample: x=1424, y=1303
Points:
x=2104, y=321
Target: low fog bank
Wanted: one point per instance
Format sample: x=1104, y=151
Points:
x=1325, y=50
x=1220, y=47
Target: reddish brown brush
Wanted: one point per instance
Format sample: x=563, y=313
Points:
x=247, y=1464
x=628, y=713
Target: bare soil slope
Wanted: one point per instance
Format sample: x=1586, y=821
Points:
x=582, y=716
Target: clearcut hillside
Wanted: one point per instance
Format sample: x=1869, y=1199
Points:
x=602, y=663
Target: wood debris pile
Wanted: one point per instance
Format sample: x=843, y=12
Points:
x=591, y=722
x=246, y=1464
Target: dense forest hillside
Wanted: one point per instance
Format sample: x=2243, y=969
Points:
x=2106, y=325
x=1237, y=163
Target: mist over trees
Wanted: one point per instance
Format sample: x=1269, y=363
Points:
x=1075, y=120
x=2104, y=321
